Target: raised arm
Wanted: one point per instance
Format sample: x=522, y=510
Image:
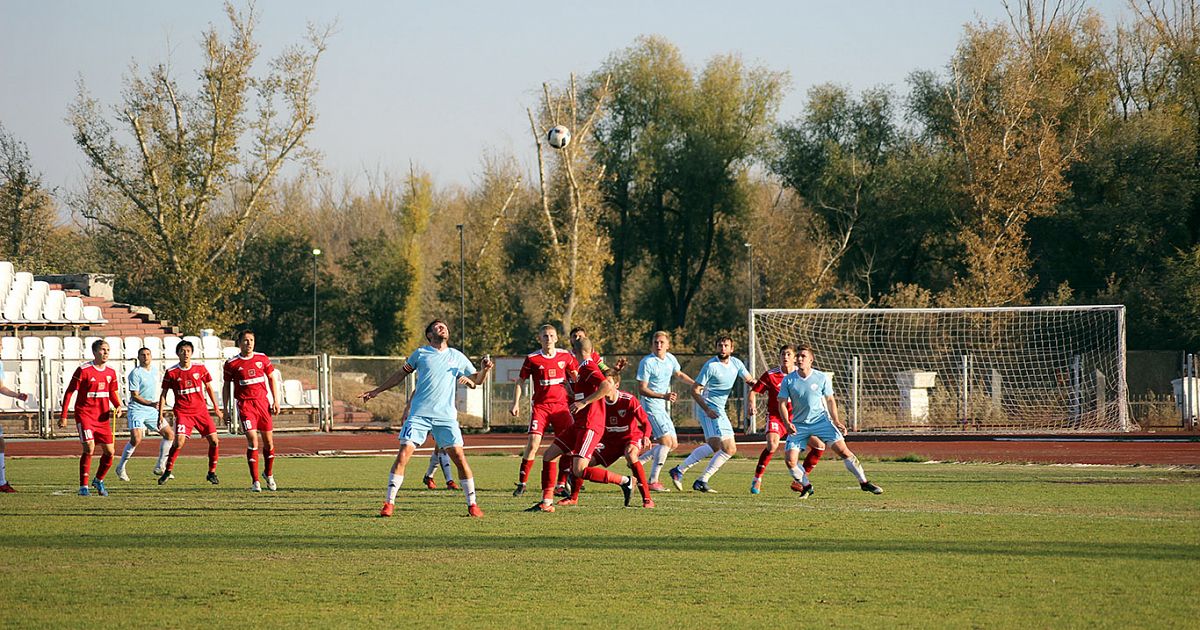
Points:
x=395, y=379
x=485, y=366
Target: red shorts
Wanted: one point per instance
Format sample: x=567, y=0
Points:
x=255, y=414
x=581, y=440
x=99, y=429
x=611, y=450
x=555, y=416
x=186, y=421
x=777, y=426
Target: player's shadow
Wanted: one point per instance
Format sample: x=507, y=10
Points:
x=598, y=542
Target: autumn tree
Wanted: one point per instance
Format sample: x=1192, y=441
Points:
x=173, y=201
x=27, y=211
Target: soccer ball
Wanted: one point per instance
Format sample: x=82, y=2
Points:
x=559, y=136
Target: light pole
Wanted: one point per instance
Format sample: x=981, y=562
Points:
x=750, y=271
x=462, y=289
x=315, y=252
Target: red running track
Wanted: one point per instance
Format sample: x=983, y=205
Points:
x=1167, y=450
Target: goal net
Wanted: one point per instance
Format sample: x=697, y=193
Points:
x=1034, y=369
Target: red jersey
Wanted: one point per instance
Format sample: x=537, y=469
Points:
x=769, y=383
x=188, y=386
x=249, y=375
x=585, y=382
x=97, y=389
x=549, y=374
x=625, y=418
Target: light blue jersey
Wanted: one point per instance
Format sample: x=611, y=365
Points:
x=437, y=377
x=657, y=374
x=807, y=396
x=144, y=383
x=718, y=380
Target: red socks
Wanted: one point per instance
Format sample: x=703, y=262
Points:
x=85, y=466
x=270, y=455
x=811, y=459
x=549, y=470
x=212, y=457
x=252, y=460
x=601, y=475
x=526, y=466
x=105, y=463
x=640, y=473
x=764, y=458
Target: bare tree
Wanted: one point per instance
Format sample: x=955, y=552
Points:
x=27, y=213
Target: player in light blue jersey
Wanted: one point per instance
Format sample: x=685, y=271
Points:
x=711, y=391
x=814, y=412
x=654, y=376
x=142, y=414
x=439, y=369
x=21, y=396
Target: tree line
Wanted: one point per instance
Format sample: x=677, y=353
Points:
x=1054, y=159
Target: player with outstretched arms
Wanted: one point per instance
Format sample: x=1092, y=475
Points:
x=248, y=373
x=189, y=382
x=95, y=405
x=711, y=392
x=5, y=487
x=779, y=426
x=142, y=414
x=588, y=386
x=439, y=368
x=626, y=434
x=548, y=369
x=814, y=412
x=654, y=375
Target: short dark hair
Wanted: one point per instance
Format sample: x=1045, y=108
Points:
x=787, y=346
x=724, y=338
x=430, y=325
x=143, y=349
x=182, y=343
x=801, y=347
x=243, y=332
x=96, y=345
x=577, y=329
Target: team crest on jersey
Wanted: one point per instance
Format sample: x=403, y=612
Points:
x=621, y=412
x=813, y=387
x=258, y=364
x=562, y=364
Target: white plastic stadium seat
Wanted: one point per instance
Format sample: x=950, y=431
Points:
x=52, y=308
x=197, y=348
x=169, y=353
x=13, y=305
x=22, y=280
x=6, y=271
x=132, y=345
x=10, y=348
x=212, y=346
x=116, y=348
x=93, y=314
x=155, y=345
x=31, y=348
x=293, y=393
x=312, y=398
x=52, y=347
x=27, y=382
x=10, y=381
x=72, y=349
x=73, y=309
x=230, y=352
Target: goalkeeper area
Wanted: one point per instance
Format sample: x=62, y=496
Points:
x=1010, y=370
x=948, y=545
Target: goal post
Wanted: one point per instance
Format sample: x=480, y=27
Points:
x=1020, y=369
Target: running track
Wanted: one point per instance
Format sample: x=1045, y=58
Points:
x=1167, y=449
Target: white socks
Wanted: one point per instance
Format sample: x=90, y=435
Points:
x=856, y=470
x=650, y=452
x=433, y=464
x=444, y=460
x=125, y=455
x=3, y=478
x=799, y=475
x=394, y=482
x=468, y=486
x=660, y=459
x=164, y=451
x=702, y=451
x=715, y=464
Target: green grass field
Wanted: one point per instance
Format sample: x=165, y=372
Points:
x=947, y=545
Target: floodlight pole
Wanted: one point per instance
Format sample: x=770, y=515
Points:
x=750, y=272
x=315, y=252
x=462, y=289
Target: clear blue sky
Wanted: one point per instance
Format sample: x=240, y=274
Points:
x=440, y=84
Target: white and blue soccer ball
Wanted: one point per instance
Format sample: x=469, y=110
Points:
x=558, y=136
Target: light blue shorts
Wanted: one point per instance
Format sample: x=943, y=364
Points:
x=719, y=427
x=145, y=422
x=822, y=428
x=660, y=423
x=445, y=431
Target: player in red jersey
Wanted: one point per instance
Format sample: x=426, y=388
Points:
x=189, y=382
x=248, y=374
x=548, y=369
x=626, y=434
x=95, y=407
x=588, y=386
x=777, y=427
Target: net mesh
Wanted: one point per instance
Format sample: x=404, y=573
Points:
x=1037, y=369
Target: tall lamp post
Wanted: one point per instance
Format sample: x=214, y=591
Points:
x=315, y=252
x=462, y=289
x=750, y=272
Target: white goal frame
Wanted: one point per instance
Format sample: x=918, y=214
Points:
x=1042, y=369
